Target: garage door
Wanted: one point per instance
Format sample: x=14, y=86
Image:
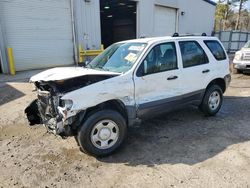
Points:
x=164, y=21
x=39, y=31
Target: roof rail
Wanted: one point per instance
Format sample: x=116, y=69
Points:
x=188, y=35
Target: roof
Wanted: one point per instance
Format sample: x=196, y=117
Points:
x=210, y=2
x=159, y=39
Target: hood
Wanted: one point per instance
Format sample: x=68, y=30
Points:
x=64, y=73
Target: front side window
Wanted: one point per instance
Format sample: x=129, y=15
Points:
x=119, y=57
x=160, y=58
x=192, y=54
x=216, y=49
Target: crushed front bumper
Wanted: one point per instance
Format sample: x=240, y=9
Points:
x=54, y=125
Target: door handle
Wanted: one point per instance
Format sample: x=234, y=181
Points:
x=206, y=71
x=172, y=77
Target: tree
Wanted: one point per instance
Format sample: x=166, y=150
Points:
x=227, y=18
x=241, y=3
x=223, y=11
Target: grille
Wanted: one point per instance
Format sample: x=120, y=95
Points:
x=246, y=56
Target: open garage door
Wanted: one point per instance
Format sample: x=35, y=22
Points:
x=39, y=31
x=164, y=21
x=118, y=20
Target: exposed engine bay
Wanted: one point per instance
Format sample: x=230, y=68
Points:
x=50, y=110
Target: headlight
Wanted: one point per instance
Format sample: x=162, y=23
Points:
x=238, y=56
x=67, y=104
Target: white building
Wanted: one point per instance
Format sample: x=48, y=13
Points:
x=47, y=33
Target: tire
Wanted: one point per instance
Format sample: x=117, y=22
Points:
x=209, y=106
x=102, y=133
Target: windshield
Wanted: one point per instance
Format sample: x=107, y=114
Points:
x=119, y=57
x=247, y=45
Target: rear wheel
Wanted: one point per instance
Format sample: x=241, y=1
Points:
x=212, y=100
x=102, y=133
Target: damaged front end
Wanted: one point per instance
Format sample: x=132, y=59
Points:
x=48, y=109
x=53, y=112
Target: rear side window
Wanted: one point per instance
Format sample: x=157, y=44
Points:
x=192, y=54
x=216, y=49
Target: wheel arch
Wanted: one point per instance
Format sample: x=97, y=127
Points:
x=114, y=104
x=218, y=81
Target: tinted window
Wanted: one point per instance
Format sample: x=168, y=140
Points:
x=161, y=58
x=192, y=54
x=216, y=49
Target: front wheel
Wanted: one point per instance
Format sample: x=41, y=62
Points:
x=212, y=100
x=102, y=133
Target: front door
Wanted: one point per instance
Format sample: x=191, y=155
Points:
x=157, y=80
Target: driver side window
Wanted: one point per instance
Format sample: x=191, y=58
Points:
x=160, y=58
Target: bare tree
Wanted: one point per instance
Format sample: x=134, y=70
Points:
x=241, y=3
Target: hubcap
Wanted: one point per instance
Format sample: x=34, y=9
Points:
x=214, y=100
x=104, y=134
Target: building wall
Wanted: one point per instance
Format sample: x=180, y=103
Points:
x=145, y=15
x=38, y=31
x=88, y=27
x=198, y=17
x=87, y=23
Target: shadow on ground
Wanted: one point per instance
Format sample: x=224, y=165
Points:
x=9, y=93
x=186, y=136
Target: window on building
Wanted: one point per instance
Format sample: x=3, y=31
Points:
x=216, y=49
x=192, y=54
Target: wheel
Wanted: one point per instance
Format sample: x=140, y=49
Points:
x=212, y=100
x=102, y=133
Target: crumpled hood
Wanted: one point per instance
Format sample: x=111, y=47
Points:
x=63, y=73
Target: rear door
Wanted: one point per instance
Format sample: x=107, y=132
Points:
x=196, y=68
x=157, y=80
x=218, y=58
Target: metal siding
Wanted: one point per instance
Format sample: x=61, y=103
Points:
x=198, y=17
x=164, y=21
x=88, y=26
x=39, y=31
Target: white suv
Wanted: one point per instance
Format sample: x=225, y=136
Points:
x=129, y=82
